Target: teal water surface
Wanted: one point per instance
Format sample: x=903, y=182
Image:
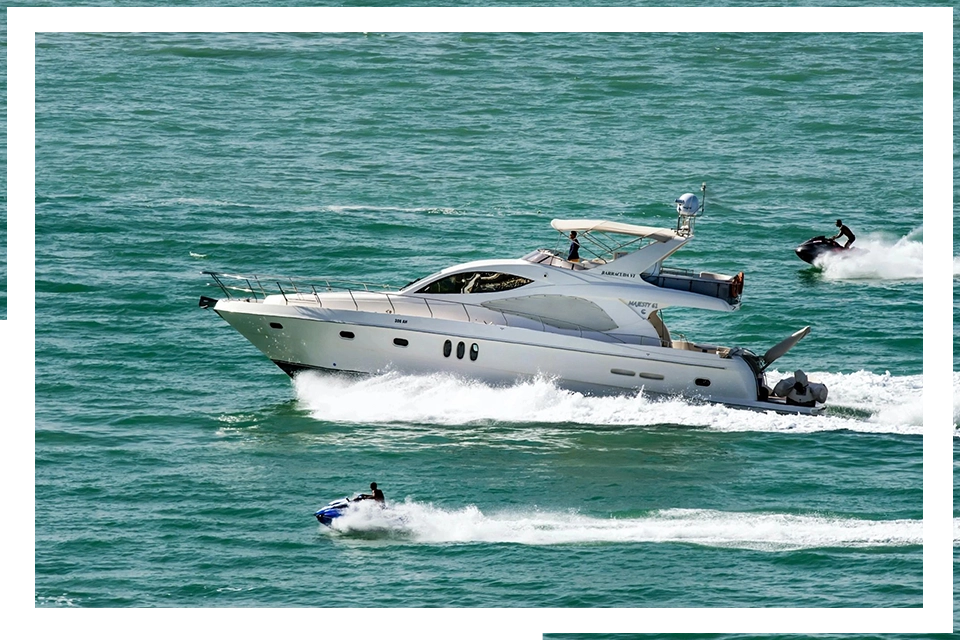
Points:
x=193, y=464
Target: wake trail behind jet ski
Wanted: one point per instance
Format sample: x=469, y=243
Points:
x=424, y=523
x=873, y=258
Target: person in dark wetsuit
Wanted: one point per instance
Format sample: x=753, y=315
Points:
x=845, y=231
x=376, y=495
x=574, y=255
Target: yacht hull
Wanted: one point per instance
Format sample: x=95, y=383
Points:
x=298, y=337
x=593, y=325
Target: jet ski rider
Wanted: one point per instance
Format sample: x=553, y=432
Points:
x=844, y=231
x=376, y=495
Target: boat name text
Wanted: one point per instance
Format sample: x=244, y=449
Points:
x=619, y=274
x=642, y=304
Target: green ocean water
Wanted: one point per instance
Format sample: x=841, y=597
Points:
x=192, y=465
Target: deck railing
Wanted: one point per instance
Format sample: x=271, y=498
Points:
x=258, y=287
x=255, y=286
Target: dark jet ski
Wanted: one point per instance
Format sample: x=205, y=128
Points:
x=813, y=248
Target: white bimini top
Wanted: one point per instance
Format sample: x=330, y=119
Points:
x=661, y=234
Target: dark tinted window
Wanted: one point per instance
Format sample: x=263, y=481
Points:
x=475, y=282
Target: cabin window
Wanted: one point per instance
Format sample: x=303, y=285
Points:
x=474, y=351
x=702, y=382
x=447, y=348
x=347, y=335
x=276, y=325
x=401, y=342
x=460, y=349
x=475, y=282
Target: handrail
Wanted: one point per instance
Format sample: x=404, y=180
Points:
x=331, y=283
x=479, y=310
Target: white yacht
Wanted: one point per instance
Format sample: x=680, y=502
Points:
x=590, y=322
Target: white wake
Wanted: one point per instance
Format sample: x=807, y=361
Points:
x=879, y=258
x=425, y=523
x=863, y=401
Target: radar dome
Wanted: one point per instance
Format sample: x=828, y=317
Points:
x=688, y=204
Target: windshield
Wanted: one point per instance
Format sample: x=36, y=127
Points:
x=475, y=282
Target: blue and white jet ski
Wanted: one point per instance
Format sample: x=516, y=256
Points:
x=333, y=510
x=337, y=508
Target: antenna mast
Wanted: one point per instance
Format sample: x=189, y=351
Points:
x=688, y=209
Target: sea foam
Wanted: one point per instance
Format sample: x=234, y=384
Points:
x=426, y=523
x=880, y=259
x=862, y=401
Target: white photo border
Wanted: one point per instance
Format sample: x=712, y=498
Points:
x=936, y=615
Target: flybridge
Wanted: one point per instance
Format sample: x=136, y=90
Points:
x=604, y=241
x=629, y=251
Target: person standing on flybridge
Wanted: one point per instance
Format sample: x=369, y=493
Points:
x=574, y=255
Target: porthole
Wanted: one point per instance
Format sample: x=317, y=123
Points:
x=702, y=382
x=474, y=351
x=401, y=342
x=460, y=349
x=347, y=334
x=276, y=325
x=447, y=348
